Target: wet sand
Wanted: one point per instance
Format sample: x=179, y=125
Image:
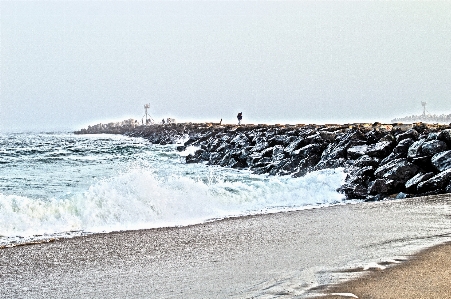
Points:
x=426, y=275
x=283, y=255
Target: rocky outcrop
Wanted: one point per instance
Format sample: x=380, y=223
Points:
x=380, y=160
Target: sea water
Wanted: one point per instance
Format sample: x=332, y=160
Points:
x=63, y=185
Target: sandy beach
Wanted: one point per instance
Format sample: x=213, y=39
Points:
x=425, y=275
x=284, y=255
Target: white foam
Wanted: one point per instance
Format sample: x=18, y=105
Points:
x=140, y=199
x=373, y=265
x=345, y=295
x=190, y=150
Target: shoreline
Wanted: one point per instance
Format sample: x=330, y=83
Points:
x=425, y=274
x=293, y=253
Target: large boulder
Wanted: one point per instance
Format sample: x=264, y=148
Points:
x=373, y=136
x=398, y=170
x=240, y=141
x=403, y=146
x=445, y=135
x=442, y=161
x=380, y=186
x=380, y=149
x=357, y=151
x=411, y=185
x=433, y=147
x=309, y=150
x=435, y=184
x=409, y=134
x=360, y=175
x=294, y=145
x=328, y=136
x=415, y=149
x=354, y=191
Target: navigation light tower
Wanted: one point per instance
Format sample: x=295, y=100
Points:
x=424, y=107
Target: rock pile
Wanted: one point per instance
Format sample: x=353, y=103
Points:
x=380, y=161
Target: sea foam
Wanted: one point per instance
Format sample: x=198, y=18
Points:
x=139, y=198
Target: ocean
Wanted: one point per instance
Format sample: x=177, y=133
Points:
x=65, y=185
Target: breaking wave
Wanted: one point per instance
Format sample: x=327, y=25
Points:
x=139, y=198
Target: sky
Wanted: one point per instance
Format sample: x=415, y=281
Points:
x=67, y=64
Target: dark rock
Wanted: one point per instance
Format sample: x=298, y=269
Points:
x=380, y=149
x=315, y=138
x=289, y=140
x=278, y=153
x=399, y=170
x=442, y=161
x=373, y=136
x=436, y=183
x=366, y=160
x=415, y=149
x=196, y=158
x=277, y=168
x=295, y=145
x=354, y=191
x=328, y=136
x=267, y=152
x=278, y=140
x=215, y=158
x=263, y=162
x=181, y=148
x=411, y=184
x=335, y=153
x=190, y=141
x=233, y=163
x=330, y=163
x=388, y=138
x=403, y=146
x=240, y=141
x=260, y=147
x=377, y=197
x=253, y=159
x=362, y=176
x=430, y=148
x=357, y=151
x=392, y=157
x=380, y=186
x=445, y=135
x=409, y=134
x=309, y=150
x=224, y=147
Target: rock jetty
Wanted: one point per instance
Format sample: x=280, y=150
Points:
x=395, y=160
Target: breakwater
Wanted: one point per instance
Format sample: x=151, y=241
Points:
x=397, y=160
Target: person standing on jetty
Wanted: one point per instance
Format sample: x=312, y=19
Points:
x=240, y=117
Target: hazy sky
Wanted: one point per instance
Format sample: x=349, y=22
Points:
x=67, y=64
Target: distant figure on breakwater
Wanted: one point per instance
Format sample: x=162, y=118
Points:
x=220, y=122
x=240, y=117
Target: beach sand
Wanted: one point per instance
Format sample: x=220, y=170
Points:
x=425, y=275
x=282, y=255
